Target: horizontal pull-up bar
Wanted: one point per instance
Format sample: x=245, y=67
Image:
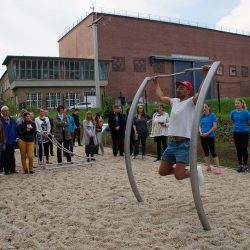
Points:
x=177, y=73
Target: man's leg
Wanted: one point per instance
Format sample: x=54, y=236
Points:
x=181, y=172
x=166, y=168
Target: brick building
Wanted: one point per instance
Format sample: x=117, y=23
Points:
x=137, y=47
x=134, y=43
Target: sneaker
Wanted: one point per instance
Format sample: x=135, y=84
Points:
x=218, y=170
x=32, y=172
x=244, y=169
x=239, y=168
x=209, y=169
x=25, y=171
x=200, y=175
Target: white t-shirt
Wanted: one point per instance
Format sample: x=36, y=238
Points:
x=181, y=117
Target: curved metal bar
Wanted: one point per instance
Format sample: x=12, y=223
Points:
x=127, y=138
x=178, y=73
x=193, y=146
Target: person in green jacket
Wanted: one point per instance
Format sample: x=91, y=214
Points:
x=61, y=133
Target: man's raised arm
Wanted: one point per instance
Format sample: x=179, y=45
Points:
x=205, y=69
x=159, y=93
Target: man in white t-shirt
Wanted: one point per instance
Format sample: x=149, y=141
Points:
x=179, y=132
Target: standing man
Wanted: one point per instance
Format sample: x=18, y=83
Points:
x=77, y=132
x=10, y=133
x=117, y=125
x=61, y=133
x=180, y=126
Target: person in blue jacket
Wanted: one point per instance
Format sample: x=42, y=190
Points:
x=207, y=128
x=240, y=118
x=10, y=131
x=71, y=127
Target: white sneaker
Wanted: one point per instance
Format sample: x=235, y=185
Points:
x=200, y=175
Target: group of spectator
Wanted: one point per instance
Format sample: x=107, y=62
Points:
x=240, y=118
x=26, y=131
x=139, y=131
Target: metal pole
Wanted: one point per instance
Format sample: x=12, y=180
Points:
x=121, y=101
x=127, y=139
x=96, y=66
x=218, y=93
x=146, y=102
x=87, y=100
x=193, y=146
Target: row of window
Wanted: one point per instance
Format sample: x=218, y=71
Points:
x=5, y=86
x=53, y=99
x=139, y=65
x=232, y=69
x=55, y=69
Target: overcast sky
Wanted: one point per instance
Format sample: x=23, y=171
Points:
x=32, y=27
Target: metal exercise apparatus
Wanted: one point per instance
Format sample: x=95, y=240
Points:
x=193, y=140
x=42, y=164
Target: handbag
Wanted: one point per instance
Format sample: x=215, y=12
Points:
x=91, y=148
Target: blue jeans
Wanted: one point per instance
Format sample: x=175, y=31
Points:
x=177, y=152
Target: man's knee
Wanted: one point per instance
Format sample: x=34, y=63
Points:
x=179, y=176
x=165, y=169
x=163, y=172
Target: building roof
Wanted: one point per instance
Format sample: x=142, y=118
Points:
x=151, y=18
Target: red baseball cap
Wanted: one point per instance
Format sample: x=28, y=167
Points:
x=186, y=84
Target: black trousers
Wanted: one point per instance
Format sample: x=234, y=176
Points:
x=50, y=145
x=77, y=134
x=65, y=143
x=141, y=138
x=8, y=159
x=161, y=145
x=208, y=145
x=117, y=143
x=241, y=143
x=46, y=150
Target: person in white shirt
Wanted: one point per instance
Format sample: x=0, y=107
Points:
x=179, y=131
x=160, y=121
x=43, y=126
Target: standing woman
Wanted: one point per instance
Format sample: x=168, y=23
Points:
x=89, y=134
x=98, y=126
x=43, y=125
x=160, y=122
x=141, y=130
x=207, y=128
x=240, y=118
x=26, y=132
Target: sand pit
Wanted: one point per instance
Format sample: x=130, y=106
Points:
x=93, y=207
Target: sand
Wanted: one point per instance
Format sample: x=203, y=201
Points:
x=93, y=207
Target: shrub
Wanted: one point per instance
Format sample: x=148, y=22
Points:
x=108, y=106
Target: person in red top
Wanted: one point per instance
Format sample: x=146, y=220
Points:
x=99, y=125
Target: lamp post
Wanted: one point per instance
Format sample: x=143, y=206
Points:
x=96, y=64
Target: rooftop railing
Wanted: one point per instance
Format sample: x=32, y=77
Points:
x=156, y=18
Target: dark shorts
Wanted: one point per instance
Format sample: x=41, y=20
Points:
x=177, y=152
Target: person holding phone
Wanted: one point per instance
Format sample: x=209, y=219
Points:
x=160, y=121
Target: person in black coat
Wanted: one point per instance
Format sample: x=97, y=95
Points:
x=117, y=123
